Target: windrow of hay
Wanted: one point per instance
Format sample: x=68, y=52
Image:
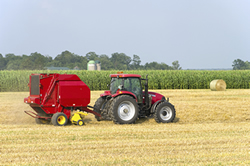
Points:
x=218, y=85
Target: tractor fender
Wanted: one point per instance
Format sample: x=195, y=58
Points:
x=125, y=93
x=156, y=104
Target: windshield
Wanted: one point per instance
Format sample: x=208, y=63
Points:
x=131, y=84
x=115, y=82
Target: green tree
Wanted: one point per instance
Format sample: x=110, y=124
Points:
x=2, y=62
x=27, y=64
x=120, y=61
x=157, y=66
x=40, y=61
x=12, y=61
x=10, y=57
x=247, y=64
x=135, y=62
x=164, y=66
x=105, y=62
x=176, y=65
x=66, y=59
x=82, y=64
x=92, y=56
x=13, y=65
x=239, y=64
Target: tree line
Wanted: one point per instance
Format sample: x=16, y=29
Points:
x=239, y=64
x=117, y=61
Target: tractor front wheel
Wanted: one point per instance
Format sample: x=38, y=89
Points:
x=59, y=119
x=165, y=113
x=124, y=110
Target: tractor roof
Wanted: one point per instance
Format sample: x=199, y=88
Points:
x=124, y=75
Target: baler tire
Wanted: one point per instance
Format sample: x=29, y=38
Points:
x=164, y=113
x=97, y=107
x=124, y=110
x=59, y=119
x=80, y=122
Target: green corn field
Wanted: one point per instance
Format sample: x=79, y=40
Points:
x=158, y=79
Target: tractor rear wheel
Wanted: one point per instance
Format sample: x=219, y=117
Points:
x=124, y=110
x=97, y=107
x=164, y=113
x=59, y=119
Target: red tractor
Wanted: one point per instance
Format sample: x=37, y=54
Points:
x=126, y=101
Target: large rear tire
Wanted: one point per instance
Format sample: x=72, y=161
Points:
x=124, y=110
x=59, y=119
x=164, y=113
x=97, y=107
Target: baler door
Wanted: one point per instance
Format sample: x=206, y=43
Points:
x=35, y=89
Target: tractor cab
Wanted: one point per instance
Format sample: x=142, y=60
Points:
x=122, y=83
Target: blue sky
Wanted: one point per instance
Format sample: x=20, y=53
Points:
x=198, y=33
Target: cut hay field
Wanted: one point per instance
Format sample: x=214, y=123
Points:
x=211, y=128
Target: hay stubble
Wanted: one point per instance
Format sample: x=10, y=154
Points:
x=211, y=128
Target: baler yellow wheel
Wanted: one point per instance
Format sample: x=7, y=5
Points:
x=59, y=119
x=80, y=122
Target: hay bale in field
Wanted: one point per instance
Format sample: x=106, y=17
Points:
x=218, y=85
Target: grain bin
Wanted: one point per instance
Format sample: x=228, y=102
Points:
x=91, y=65
x=98, y=65
x=218, y=85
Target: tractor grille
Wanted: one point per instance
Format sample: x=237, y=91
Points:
x=35, y=89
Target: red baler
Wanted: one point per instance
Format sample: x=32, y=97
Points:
x=55, y=96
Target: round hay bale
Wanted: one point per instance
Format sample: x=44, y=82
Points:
x=218, y=85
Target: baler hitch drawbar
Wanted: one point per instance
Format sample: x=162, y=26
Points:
x=34, y=115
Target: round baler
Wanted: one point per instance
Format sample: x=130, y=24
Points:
x=54, y=97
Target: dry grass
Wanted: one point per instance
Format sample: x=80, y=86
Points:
x=211, y=128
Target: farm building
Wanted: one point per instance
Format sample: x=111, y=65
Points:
x=94, y=65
